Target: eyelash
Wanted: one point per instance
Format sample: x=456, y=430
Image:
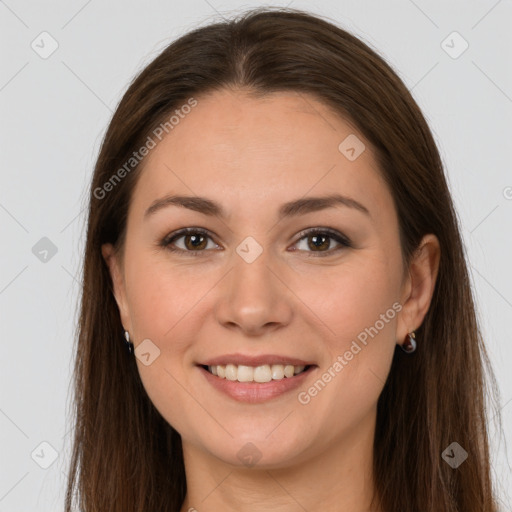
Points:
x=331, y=233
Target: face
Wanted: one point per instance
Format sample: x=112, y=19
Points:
x=258, y=283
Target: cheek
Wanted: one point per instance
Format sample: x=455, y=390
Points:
x=358, y=305
x=352, y=298
x=166, y=307
x=161, y=296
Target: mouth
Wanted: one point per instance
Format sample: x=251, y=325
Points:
x=256, y=383
x=260, y=374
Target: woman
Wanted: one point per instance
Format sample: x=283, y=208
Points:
x=277, y=313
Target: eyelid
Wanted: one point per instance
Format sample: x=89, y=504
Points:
x=333, y=233
x=167, y=241
x=339, y=237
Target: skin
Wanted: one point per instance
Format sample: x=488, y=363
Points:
x=252, y=155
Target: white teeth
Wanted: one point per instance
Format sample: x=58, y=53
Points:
x=263, y=373
x=277, y=371
x=245, y=373
x=298, y=369
x=288, y=370
x=231, y=372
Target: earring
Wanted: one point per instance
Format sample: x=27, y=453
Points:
x=128, y=343
x=409, y=345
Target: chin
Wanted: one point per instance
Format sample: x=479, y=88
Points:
x=258, y=451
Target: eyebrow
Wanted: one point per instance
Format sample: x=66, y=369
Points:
x=293, y=208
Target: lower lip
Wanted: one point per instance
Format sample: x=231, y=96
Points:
x=255, y=392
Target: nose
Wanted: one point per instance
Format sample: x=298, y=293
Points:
x=254, y=299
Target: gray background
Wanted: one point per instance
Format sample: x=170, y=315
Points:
x=55, y=111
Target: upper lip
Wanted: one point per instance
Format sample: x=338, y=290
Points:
x=256, y=360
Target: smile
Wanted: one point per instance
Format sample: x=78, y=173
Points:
x=255, y=384
x=261, y=374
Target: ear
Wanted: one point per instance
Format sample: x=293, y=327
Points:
x=418, y=287
x=113, y=262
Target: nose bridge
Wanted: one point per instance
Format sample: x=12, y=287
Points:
x=253, y=298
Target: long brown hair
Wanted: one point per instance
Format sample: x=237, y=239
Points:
x=126, y=457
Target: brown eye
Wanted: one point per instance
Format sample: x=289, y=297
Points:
x=319, y=241
x=193, y=241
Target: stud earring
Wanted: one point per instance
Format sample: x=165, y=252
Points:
x=128, y=343
x=409, y=345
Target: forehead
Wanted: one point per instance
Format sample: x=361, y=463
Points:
x=250, y=151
